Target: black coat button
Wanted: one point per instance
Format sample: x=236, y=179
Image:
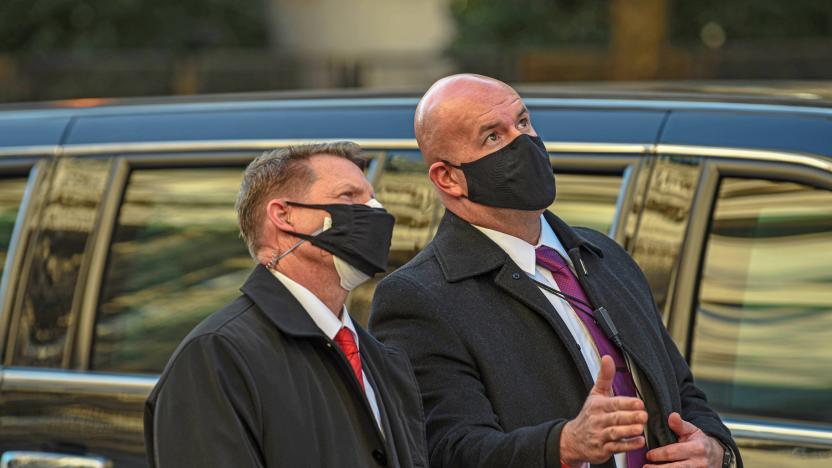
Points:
x=515, y=276
x=380, y=457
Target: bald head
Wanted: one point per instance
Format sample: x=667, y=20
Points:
x=450, y=109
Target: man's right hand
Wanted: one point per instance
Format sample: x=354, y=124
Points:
x=606, y=424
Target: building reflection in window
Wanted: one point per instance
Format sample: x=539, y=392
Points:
x=763, y=336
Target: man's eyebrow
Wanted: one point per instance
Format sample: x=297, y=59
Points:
x=493, y=125
x=345, y=186
x=488, y=126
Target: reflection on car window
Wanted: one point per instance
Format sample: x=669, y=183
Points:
x=587, y=200
x=175, y=258
x=406, y=192
x=11, y=192
x=763, y=336
x=58, y=246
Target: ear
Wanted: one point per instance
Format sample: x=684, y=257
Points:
x=448, y=179
x=278, y=213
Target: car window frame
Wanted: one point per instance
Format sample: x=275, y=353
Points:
x=719, y=163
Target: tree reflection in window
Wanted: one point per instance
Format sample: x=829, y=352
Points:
x=176, y=257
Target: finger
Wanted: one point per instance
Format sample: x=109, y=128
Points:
x=621, y=404
x=603, y=383
x=624, y=418
x=675, y=452
x=624, y=445
x=616, y=433
x=682, y=428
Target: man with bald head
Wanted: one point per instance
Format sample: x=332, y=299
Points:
x=535, y=344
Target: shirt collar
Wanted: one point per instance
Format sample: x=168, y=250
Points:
x=520, y=251
x=317, y=310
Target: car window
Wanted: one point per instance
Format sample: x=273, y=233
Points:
x=406, y=192
x=587, y=200
x=175, y=258
x=583, y=199
x=762, y=342
x=11, y=193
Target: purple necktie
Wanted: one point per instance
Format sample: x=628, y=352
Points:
x=622, y=384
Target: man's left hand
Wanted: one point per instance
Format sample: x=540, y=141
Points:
x=693, y=448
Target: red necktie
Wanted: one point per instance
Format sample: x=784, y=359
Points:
x=622, y=384
x=346, y=342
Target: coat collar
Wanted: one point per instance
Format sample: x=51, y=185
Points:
x=463, y=251
x=278, y=304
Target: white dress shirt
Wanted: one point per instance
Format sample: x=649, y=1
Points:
x=330, y=325
x=523, y=254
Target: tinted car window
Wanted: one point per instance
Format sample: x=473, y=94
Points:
x=762, y=343
x=406, y=192
x=587, y=200
x=175, y=258
x=11, y=192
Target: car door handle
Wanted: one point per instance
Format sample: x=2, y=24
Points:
x=25, y=459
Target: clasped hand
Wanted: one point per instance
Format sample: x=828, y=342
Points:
x=613, y=424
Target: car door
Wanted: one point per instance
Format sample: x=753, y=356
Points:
x=752, y=308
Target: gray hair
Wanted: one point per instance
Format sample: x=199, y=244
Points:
x=279, y=172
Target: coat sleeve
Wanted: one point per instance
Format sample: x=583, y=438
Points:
x=205, y=412
x=462, y=428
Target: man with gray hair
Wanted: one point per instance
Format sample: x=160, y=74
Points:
x=282, y=376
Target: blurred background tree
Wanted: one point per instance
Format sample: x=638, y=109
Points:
x=540, y=40
x=87, y=26
x=80, y=48
x=744, y=20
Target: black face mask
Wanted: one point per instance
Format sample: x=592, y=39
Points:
x=517, y=176
x=360, y=235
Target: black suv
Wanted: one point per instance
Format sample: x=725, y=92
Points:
x=118, y=235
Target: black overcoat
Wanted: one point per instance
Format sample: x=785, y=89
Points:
x=500, y=373
x=258, y=384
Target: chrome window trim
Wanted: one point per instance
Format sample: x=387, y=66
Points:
x=14, y=259
x=779, y=433
x=804, y=159
x=807, y=159
x=23, y=151
x=40, y=459
x=19, y=379
x=266, y=144
x=672, y=105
